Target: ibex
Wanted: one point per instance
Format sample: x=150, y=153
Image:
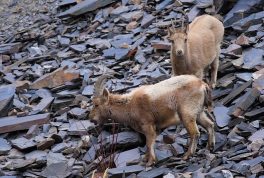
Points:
x=196, y=47
x=180, y=99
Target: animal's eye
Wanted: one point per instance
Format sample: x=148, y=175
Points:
x=185, y=40
x=96, y=105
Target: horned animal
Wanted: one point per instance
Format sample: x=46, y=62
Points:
x=149, y=108
x=195, y=47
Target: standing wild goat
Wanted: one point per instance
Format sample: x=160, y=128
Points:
x=196, y=47
x=180, y=99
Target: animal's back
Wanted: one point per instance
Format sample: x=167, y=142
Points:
x=162, y=88
x=204, y=23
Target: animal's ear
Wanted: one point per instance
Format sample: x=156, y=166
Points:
x=105, y=95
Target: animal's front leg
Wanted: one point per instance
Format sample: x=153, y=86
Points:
x=200, y=74
x=150, y=133
x=214, y=70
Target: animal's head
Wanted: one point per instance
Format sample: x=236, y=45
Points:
x=98, y=114
x=178, y=37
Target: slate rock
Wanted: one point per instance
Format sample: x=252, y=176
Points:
x=59, y=147
x=90, y=155
x=125, y=157
x=147, y=20
x=155, y=172
x=119, y=10
x=78, y=113
x=99, y=43
x=55, y=78
x=6, y=98
x=163, y=5
x=117, y=172
x=88, y=90
x=78, y=48
x=85, y=6
x=59, y=169
x=258, y=135
x=80, y=127
x=245, y=23
x=246, y=76
x=124, y=138
x=19, y=164
x=10, y=48
x=221, y=116
x=252, y=57
x=39, y=156
x=4, y=146
x=204, y=3
x=23, y=143
x=35, y=51
x=241, y=7
x=53, y=158
x=134, y=15
x=178, y=148
x=235, y=49
x=64, y=41
x=45, y=144
x=194, y=12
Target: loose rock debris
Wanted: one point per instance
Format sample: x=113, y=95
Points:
x=51, y=53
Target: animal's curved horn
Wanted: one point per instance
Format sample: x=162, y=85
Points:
x=99, y=85
x=173, y=25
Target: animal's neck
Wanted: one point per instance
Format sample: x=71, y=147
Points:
x=119, y=108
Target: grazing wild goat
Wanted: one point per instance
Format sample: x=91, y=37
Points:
x=195, y=47
x=180, y=99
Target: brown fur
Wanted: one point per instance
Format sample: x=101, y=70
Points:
x=146, y=109
x=195, y=48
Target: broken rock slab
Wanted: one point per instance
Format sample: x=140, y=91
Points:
x=118, y=172
x=59, y=169
x=123, y=158
x=5, y=147
x=14, y=123
x=221, y=116
x=124, y=138
x=23, y=144
x=253, y=57
x=85, y=6
x=155, y=172
x=80, y=127
x=258, y=135
x=55, y=78
x=241, y=9
x=245, y=23
x=6, y=99
x=10, y=48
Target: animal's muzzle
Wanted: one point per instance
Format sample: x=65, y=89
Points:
x=94, y=121
x=179, y=52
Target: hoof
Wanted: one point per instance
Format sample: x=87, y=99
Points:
x=145, y=158
x=212, y=85
x=150, y=163
x=210, y=147
x=185, y=157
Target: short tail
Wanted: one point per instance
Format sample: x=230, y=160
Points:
x=208, y=101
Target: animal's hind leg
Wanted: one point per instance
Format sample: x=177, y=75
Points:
x=150, y=133
x=214, y=69
x=189, y=121
x=204, y=121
